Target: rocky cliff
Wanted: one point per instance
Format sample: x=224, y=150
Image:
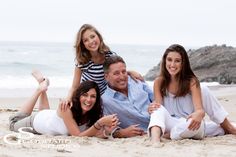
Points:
x=210, y=64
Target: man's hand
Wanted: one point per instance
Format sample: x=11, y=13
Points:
x=131, y=131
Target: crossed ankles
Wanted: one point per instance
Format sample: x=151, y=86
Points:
x=38, y=76
x=43, y=82
x=43, y=86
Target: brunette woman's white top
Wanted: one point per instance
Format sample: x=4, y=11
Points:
x=49, y=123
x=183, y=106
x=178, y=106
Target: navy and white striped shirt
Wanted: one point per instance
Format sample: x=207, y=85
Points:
x=94, y=72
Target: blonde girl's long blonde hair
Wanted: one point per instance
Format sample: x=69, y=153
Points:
x=83, y=56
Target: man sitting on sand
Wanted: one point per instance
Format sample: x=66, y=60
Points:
x=127, y=98
x=130, y=100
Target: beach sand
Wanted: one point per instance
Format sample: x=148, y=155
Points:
x=57, y=146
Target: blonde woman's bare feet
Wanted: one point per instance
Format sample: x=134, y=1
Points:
x=38, y=75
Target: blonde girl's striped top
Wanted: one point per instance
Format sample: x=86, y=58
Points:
x=94, y=72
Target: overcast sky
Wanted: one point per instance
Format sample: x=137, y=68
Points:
x=188, y=22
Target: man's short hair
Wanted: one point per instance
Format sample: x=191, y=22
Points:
x=111, y=60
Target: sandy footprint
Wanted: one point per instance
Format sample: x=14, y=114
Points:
x=149, y=143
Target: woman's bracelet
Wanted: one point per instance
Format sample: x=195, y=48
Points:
x=105, y=135
x=99, y=124
x=94, y=125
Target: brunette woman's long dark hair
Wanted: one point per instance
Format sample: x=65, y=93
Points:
x=95, y=113
x=185, y=75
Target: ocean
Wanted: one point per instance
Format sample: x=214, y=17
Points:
x=56, y=61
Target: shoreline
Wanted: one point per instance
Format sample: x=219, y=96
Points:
x=15, y=97
x=61, y=91
x=26, y=92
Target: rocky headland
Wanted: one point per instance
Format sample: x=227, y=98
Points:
x=209, y=63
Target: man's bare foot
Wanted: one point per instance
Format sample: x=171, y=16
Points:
x=38, y=76
x=43, y=86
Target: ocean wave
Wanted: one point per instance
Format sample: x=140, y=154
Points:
x=22, y=64
x=12, y=82
x=56, y=60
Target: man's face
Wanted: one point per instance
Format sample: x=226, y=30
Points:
x=117, y=76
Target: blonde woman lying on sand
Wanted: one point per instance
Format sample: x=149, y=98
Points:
x=84, y=118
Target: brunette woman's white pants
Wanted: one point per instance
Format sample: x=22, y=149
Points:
x=169, y=116
x=178, y=127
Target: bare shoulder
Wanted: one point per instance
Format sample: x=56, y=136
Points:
x=194, y=84
x=158, y=81
x=78, y=70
